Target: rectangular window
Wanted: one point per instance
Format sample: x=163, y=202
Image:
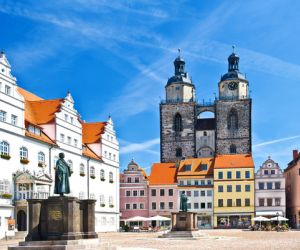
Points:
x=181, y=183
x=66, y=117
x=202, y=193
x=127, y=193
x=31, y=129
x=141, y=205
x=247, y=174
x=129, y=179
x=220, y=202
x=238, y=188
x=134, y=206
x=196, y=193
x=75, y=142
x=238, y=202
x=209, y=182
x=2, y=116
x=229, y=175
x=220, y=189
x=209, y=192
x=238, y=174
x=203, y=167
x=209, y=205
x=188, y=182
x=153, y=192
x=269, y=202
x=72, y=120
x=135, y=193
x=62, y=137
x=261, y=202
x=202, y=205
x=196, y=205
x=69, y=140
x=136, y=179
x=162, y=192
x=220, y=175
x=170, y=192
x=127, y=206
x=37, y=131
x=196, y=182
x=14, y=119
x=189, y=205
x=277, y=201
x=247, y=188
x=153, y=205
x=261, y=185
x=229, y=188
x=272, y=171
x=247, y=202
x=266, y=172
x=229, y=202
x=202, y=182
x=269, y=185
x=142, y=193
x=162, y=205
x=187, y=168
x=7, y=90
x=170, y=205
x=277, y=185
x=189, y=193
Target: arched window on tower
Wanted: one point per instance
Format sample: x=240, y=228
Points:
x=178, y=152
x=232, y=122
x=178, y=123
x=232, y=149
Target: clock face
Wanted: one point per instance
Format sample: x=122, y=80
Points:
x=232, y=85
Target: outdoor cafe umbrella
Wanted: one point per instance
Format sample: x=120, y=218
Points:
x=279, y=218
x=137, y=218
x=260, y=219
x=159, y=218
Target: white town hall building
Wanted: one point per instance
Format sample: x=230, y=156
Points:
x=33, y=131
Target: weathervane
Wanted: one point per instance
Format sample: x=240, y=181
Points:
x=179, y=50
x=233, y=47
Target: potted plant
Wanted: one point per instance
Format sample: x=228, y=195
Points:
x=82, y=174
x=102, y=179
x=111, y=181
x=5, y=156
x=24, y=161
x=6, y=196
x=41, y=164
x=93, y=176
x=111, y=205
x=102, y=205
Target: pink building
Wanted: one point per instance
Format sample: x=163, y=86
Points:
x=163, y=194
x=292, y=187
x=133, y=193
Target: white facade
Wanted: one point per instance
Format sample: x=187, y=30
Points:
x=29, y=152
x=270, y=190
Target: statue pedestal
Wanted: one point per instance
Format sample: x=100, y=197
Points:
x=61, y=218
x=184, y=221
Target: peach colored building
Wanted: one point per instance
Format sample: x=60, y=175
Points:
x=163, y=194
x=133, y=192
x=292, y=187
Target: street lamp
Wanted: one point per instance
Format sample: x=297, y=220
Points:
x=277, y=214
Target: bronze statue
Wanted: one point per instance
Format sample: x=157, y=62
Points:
x=183, y=202
x=62, y=174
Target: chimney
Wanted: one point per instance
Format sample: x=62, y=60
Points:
x=295, y=154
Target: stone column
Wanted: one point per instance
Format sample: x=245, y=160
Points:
x=33, y=215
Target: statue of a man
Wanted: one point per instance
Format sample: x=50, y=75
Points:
x=62, y=174
x=183, y=202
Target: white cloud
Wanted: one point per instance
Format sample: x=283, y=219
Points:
x=275, y=141
x=146, y=146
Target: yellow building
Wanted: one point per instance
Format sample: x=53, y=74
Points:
x=233, y=191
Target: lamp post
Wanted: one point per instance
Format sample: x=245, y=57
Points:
x=277, y=214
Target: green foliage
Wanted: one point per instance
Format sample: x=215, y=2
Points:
x=102, y=179
x=93, y=176
x=102, y=205
x=6, y=196
x=4, y=156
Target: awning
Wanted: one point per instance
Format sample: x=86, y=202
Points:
x=270, y=213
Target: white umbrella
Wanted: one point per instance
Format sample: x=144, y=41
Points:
x=138, y=218
x=260, y=218
x=279, y=218
x=159, y=218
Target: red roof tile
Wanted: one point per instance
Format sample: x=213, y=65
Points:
x=91, y=132
x=234, y=161
x=163, y=174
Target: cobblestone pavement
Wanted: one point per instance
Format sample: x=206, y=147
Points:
x=211, y=239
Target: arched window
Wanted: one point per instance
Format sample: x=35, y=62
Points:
x=81, y=169
x=23, y=153
x=102, y=175
x=232, y=149
x=111, y=177
x=178, y=123
x=70, y=163
x=178, y=152
x=232, y=122
x=4, y=148
x=41, y=157
x=92, y=171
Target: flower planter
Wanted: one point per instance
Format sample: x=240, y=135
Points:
x=24, y=161
x=82, y=174
x=111, y=206
x=111, y=181
x=6, y=196
x=41, y=164
x=102, y=205
x=6, y=157
x=93, y=177
x=102, y=179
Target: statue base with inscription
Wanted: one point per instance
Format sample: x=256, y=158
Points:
x=59, y=219
x=184, y=221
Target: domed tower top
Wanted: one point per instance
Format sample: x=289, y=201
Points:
x=233, y=62
x=179, y=65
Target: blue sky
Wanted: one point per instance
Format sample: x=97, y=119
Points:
x=116, y=56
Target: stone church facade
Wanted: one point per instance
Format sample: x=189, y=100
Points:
x=184, y=134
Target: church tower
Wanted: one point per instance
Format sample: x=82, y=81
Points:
x=233, y=111
x=177, y=116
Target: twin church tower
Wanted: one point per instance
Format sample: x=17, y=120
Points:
x=184, y=134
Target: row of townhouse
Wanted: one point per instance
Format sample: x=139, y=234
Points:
x=33, y=132
x=224, y=191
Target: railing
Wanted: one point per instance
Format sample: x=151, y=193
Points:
x=177, y=101
x=24, y=195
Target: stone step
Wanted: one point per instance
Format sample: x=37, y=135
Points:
x=20, y=235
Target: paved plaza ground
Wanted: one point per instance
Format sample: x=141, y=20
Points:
x=211, y=239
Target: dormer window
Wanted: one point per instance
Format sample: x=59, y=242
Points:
x=187, y=168
x=34, y=130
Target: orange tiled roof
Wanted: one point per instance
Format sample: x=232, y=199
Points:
x=163, y=174
x=43, y=137
x=90, y=153
x=195, y=167
x=91, y=132
x=234, y=161
x=143, y=172
x=29, y=96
